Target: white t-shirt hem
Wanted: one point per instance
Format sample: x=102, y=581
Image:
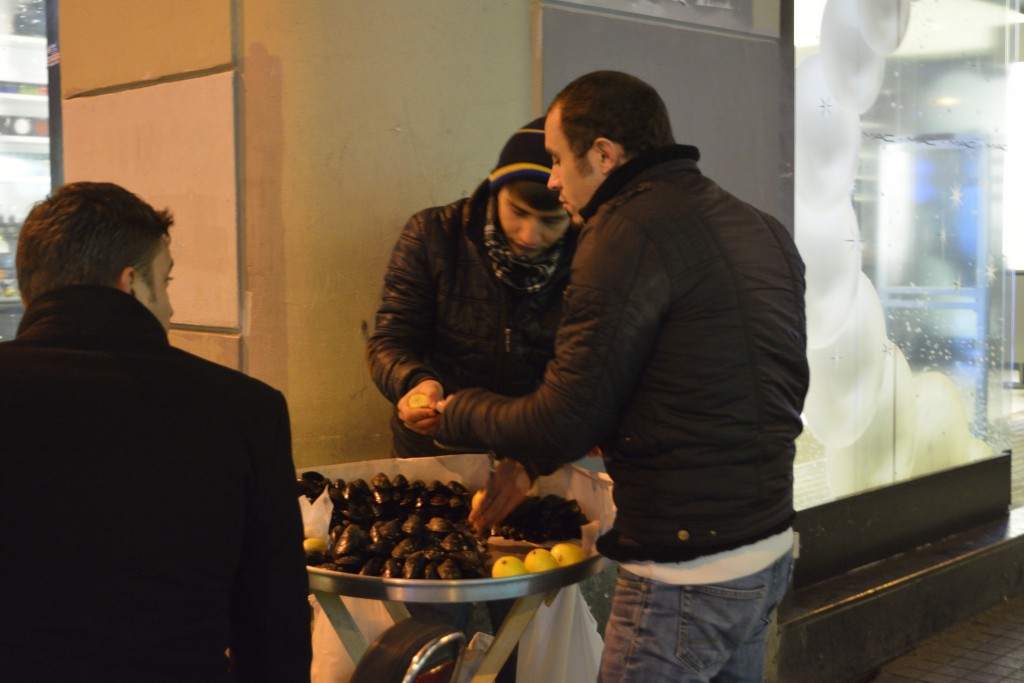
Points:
x=719, y=567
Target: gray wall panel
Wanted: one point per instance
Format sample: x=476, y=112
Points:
x=730, y=95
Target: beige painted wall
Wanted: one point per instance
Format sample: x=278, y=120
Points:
x=110, y=43
x=355, y=115
x=349, y=116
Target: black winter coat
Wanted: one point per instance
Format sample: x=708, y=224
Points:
x=445, y=315
x=682, y=352
x=149, y=506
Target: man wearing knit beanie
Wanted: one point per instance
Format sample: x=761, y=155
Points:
x=473, y=292
x=472, y=297
x=523, y=157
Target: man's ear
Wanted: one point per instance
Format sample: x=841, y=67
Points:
x=126, y=280
x=609, y=155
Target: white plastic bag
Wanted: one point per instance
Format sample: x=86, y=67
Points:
x=561, y=644
x=331, y=662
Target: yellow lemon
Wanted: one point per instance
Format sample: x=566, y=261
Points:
x=419, y=401
x=509, y=565
x=314, y=545
x=567, y=553
x=478, y=498
x=540, y=560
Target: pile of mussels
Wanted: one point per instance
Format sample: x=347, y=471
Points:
x=396, y=528
x=542, y=519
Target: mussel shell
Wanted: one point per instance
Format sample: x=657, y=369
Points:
x=449, y=570
x=440, y=525
x=434, y=553
x=413, y=525
x=467, y=559
x=334, y=490
x=358, y=512
x=407, y=546
x=456, y=541
x=353, y=539
x=356, y=491
x=414, y=566
x=311, y=484
x=336, y=532
x=392, y=568
x=399, y=482
x=386, y=510
x=430, y=571
x=383, y=547
x=372, y=567
x=381, y=482
x=458, y=488
x=313, y=477
x=391, y=529
x=350, y=564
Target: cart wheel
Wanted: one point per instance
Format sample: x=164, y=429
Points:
x=413, y=651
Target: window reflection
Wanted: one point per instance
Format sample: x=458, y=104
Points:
x=903, y=247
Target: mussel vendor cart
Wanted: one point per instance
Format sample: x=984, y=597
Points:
x=331, y=590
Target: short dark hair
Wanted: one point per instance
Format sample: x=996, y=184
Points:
x=534, y=194
x=87, y=234
x=613, y=105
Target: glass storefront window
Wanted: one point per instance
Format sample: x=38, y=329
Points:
x=902, y=178
x=24, y=137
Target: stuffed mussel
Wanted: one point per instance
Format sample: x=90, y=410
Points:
x=396, y=528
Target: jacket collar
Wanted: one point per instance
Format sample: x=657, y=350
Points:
x=91, y=316
x=621, y=176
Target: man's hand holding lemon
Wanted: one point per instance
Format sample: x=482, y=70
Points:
x=506, y=489
x=418, y=408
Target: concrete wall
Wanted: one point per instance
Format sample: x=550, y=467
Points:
x=292, y=140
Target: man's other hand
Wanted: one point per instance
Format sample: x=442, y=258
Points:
x=506, y=489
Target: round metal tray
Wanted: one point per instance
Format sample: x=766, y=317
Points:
x=464, y=590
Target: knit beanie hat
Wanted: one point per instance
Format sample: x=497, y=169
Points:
x=523, y=157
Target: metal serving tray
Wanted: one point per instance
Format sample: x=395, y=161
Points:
x=462, y=590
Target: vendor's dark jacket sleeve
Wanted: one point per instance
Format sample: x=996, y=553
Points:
x=682, y=353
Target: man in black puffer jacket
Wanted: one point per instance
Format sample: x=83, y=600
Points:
x=472, y=298
x=682, y=354
x=473, y=294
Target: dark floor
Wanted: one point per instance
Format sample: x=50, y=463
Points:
x=985, y=649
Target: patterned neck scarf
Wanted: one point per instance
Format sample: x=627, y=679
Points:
x=521, y=273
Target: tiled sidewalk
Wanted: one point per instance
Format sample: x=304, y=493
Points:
x=986, y=649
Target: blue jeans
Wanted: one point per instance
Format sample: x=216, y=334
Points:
x=693, y=633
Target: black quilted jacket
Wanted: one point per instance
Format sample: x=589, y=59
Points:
x=444, y=315
x=682, y=352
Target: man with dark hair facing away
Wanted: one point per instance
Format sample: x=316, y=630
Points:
x=151, y=524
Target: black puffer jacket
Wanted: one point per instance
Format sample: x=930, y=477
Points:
x=682, y=352
x=444, y=315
